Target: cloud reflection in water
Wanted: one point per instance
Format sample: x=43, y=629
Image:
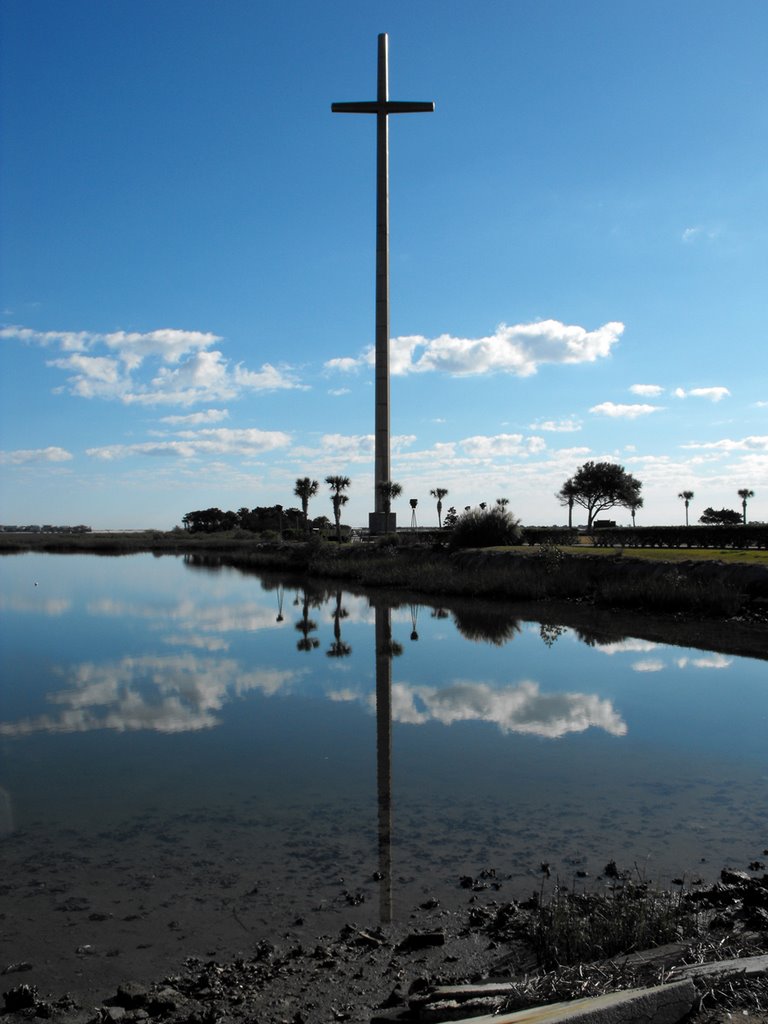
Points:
x=522, y=708
x=165, y=694
x=184, y=693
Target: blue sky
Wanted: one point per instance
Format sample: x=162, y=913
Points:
x=578, y=254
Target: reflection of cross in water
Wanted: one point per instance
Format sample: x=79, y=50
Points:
x=384, y=653
x=382, y=107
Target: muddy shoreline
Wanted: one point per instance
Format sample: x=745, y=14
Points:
x=352, y=971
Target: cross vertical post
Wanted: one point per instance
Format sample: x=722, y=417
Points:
x=380, y=521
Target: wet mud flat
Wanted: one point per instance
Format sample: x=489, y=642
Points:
x=395, y=972
x=211, y=916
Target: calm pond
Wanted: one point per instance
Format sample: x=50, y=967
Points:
x=194, y=758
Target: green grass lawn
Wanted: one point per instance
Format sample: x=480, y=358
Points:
x=729, y=555
x=743, y=557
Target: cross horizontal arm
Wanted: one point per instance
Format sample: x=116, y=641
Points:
x=389, y=107
x=355, y=108
x=407, y=107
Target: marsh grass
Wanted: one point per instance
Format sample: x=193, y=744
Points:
x=583, y=945
x=674, y=592
x=573, y=928
x=549, y=575
x=598, y=576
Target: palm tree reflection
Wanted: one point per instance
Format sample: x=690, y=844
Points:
x=338, y=648
x=305, y=625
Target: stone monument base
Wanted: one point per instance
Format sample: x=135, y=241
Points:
x=382, y=522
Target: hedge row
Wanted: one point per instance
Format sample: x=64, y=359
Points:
x=682, y=536
x=562, y=535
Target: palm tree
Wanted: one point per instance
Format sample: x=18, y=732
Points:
x=388, y=490
x=439, y=493
x=305, y=489
x=567, y=496
x=745, y=493
x=686, y=496
x=633, y=506
x=502, y=502
x=338, y=484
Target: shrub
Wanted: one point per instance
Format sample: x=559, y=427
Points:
x=551, y=557
x=485, y=528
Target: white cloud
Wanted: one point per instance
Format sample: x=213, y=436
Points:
x=715, y=394
x=201, y=374
x=566, y=454
x=558, y=426
x=25, y=455
x=244, y=441
x=342, y=696
x=193, y=620
x=53, y=606
x=101, y=369
x=209, y=416
x=168, y=344
x=519, y=349
x=68, y=341
x=346, y=364
x=502, y=445
x=630, y=412
x=648, y=665
x=746, y=444
x=697, y=232
x=647, y=390
x=191, y=370
x=204, y=643
x=269, y=378
x=348, y=447
x=631, y=646
x=713, y=661
x=215, y=441
x=174, y=449
x=439, y=454
x=351, y=447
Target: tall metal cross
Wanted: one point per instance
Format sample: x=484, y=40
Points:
x=382, y=107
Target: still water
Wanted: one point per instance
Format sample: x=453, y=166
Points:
x=186, y=747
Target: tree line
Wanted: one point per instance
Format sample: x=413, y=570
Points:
x=596, y=487
x=277, y=518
